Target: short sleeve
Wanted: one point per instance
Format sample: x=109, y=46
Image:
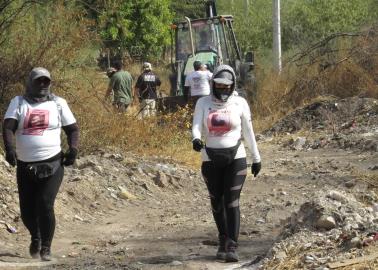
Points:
x=66, y=114
x=12, y=111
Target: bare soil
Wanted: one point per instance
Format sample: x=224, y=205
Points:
x=121, y=211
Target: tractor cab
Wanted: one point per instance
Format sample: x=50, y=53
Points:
x=211, y=41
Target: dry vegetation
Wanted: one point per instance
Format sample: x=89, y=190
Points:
x=167, y=135
x=341, y=65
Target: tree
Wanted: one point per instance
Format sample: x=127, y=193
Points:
x=302, y=21
x=134, y=26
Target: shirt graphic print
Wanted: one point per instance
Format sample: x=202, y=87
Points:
x=219, y=122
x=36, y=122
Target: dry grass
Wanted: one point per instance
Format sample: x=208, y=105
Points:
x=167, y=136
x=340, y=68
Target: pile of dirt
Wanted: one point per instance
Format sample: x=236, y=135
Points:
x=349, y=124
x=333, y=226
x=337, y=115
x=102, y=182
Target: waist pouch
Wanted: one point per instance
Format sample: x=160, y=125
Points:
x=44, y=169
x=222, y=156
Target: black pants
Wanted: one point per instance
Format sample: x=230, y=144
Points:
x=224, y=185
x=37, y=197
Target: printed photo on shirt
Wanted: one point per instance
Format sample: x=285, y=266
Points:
x=36, y=122
x=219, y=122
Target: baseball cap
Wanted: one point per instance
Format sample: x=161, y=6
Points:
x=147, y=66
x=224, y=77
x=39, y=72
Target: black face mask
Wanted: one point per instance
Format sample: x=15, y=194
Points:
x=40, y=87
x=222, y=93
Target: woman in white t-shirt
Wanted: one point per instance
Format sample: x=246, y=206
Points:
x=35, y=121
x=221, y=120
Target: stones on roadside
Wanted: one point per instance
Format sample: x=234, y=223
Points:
x=326, y=222
x=298, y=143
x=338, y=196
x=280, y=255
x=77, y=217
x=125, y=194
x=161, y=180
x=176, y=263
x=330, y=221
x=350, y=184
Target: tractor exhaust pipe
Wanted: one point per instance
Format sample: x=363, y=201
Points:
x=191, y=35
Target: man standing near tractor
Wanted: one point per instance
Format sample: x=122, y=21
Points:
x=121, y=84
x=145, y=88
x=197, y=83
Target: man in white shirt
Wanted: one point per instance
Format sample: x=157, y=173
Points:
x=197, y=83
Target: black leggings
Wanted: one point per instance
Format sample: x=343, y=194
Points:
x=225, y=185
x=37, y=197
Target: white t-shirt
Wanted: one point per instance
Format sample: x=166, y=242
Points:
x=39, y=127
x=198, y=81
x=222, y=124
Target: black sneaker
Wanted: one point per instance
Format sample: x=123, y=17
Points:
x=34, y=248
x=231, y=254
x=221, y=253
x=45, y=254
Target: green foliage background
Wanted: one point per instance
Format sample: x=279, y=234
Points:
x=136, y=26
x=302, y=21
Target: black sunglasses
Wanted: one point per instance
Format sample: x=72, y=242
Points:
x=43, y=80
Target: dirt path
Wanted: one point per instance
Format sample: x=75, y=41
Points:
x=175, y=230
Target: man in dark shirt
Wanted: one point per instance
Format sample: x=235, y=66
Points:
x=145, y=88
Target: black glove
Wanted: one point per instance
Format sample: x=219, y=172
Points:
x=69, y=157
x=197, y=145
x=255, y=169
x=11, y=158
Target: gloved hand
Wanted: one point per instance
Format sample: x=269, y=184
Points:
x=11, y=158
x=255, y=169
x=69, y=157
x=197, y=145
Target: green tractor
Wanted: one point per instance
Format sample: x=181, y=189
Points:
x=212, y=41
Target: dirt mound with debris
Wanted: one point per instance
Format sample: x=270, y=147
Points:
x=331, y=115
x=333, y=226
x=349, y=124
x=103, y=181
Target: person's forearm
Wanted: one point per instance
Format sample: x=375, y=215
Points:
x=9, y=128
x=72, y=132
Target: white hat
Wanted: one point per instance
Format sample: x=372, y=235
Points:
x=147, y=66
x=224, y=77
x=39, y=72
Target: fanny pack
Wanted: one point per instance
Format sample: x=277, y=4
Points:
x=222, y=156
x=44, y=169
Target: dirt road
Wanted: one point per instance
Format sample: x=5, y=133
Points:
x=170, y=226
